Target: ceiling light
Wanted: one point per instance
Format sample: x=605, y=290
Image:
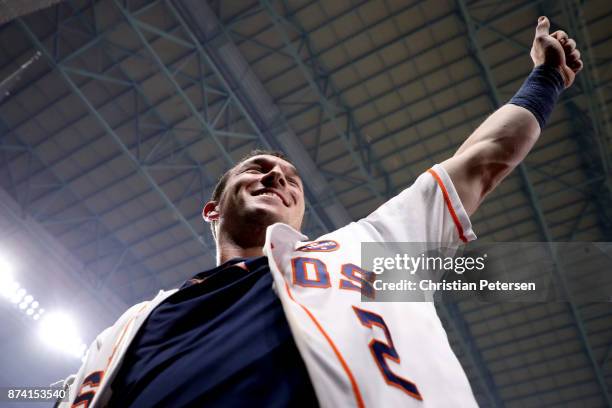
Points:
x=59, y=331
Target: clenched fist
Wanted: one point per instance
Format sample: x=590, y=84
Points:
x=556, y=50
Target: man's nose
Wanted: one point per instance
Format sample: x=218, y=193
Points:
x=275, y=176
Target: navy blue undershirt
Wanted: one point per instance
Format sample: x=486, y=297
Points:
x=223, y=342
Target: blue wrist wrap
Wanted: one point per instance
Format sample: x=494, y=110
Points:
x=540, y=92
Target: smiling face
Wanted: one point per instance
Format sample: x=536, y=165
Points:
x=259, y=192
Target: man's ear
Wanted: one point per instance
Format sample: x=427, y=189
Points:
x=210, y=212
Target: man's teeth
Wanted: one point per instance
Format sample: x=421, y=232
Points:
x=271, y=195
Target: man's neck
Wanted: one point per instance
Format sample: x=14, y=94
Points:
x=228, y=249
x=225, y=254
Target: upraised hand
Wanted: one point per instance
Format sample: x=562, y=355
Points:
x=556, y=50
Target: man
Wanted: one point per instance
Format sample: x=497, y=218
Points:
x=280, y=321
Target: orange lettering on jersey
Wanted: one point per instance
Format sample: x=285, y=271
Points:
x=358, y=279
x=85, y=397
x=309, y=272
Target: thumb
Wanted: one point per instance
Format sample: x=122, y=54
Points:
x=543, y=26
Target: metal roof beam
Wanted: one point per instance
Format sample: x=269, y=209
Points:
x=206, y=125
x=575, y=187
x=455, y=319
x=412, y=143
x=593, y=130
x=592, y=163
x=319, y=82
x=11, y=9
x=61, y=186
x=165, y=183
x=450, y=150
x=534, y=201
x=120, y=126
x=408, y=82
x=588, y=80
x=607, y=357
x=126, y=121
x=343, y=90
x=153, y=110
x=168, y=130
x=114, y=136
x=391, y=42
x=251, y=98
x=57, y=254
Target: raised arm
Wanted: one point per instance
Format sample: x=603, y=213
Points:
x=503, y=140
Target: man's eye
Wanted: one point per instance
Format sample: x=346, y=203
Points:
x=253, y=170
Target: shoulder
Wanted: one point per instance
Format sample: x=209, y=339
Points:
x=130, y=314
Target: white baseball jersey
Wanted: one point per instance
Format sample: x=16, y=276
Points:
x=362, y=354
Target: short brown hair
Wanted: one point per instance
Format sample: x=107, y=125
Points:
x=220, y=186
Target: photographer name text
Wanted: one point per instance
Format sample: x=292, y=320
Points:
x=483, y=284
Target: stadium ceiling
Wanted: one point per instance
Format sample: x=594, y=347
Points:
x=10, y=9
x=113, y=137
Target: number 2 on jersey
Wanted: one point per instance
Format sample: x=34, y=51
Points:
x=383, y=350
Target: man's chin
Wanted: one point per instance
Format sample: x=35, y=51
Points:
x=265, y=216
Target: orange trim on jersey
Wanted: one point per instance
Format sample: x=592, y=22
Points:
x=449, y=205
x=85, y=403
x=345, y=366
x=91, y=383
x=347, y=370
x=123, y=331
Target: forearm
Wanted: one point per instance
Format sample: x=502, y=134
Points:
x=505, y=137
x=491, y=152
x=503, y=140
x=514, y=131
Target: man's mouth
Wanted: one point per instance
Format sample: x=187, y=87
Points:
x=271, y=193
